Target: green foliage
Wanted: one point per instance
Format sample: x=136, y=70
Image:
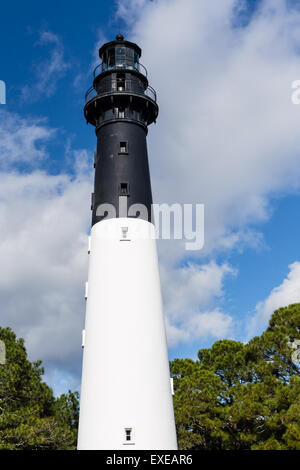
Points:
x=242, y=396
x=30, y=417
x=234, y=397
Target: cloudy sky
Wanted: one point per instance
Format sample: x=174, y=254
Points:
x=228, y=137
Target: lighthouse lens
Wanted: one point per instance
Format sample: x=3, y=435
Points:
x=120, y=57
x=129, y=58
x=111, y=58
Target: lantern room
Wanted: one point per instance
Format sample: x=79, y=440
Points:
x=120, y=54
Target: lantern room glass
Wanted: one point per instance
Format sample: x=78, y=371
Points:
x=120, y=57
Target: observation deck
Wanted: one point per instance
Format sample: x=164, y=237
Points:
x=120, y=87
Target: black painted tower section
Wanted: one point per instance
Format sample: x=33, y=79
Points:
x=121, y=105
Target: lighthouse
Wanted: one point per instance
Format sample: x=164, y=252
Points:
x=126, y=397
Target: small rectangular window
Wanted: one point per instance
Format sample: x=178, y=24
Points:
x=119, y=112
x=124, y=189
x=123, y=147
x=121, y=82
x=124, y=232
x=128, y=434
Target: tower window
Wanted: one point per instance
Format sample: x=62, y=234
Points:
x=124, y=189
x=119, y=112
x=128, y=435
x=120, y=57
x=123, y=147
x=120, y=81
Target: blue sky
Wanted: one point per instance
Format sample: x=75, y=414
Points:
x=227, y=136
x=25, y=56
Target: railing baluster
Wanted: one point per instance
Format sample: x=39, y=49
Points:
x=137, y=66
x=130, y=86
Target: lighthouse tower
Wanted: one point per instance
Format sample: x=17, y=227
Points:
x=126, y=399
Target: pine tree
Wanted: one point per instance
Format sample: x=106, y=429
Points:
x=31, y=418
x=242, y=397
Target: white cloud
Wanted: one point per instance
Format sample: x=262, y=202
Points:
x=227, y=134
x=47, y=72
x=22, y=141
x=43, y=250
x=44, y=222
x=286, y=293
x=190, y=295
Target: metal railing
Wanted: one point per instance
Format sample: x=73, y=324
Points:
x=121, y=86
x=134, y=66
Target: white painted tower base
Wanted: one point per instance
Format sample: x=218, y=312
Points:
x=125, y=377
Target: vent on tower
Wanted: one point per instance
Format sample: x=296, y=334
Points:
x=123, y=147
x=128, y=434
x=120, y=112
x=124, y=189
x=128, y=437
x=120, y=81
